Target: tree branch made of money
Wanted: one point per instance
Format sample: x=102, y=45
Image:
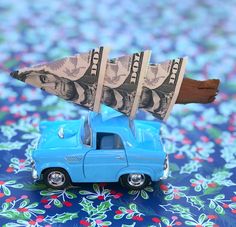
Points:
x=125, y=83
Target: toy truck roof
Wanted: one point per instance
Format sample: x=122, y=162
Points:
x=108, y=120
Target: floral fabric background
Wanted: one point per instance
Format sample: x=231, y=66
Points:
x=200, y=139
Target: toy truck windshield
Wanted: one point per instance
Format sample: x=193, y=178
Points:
x=86, y=136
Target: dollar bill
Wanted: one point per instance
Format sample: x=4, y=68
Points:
x=123, y=82
x=78, y=78
x=161, y=87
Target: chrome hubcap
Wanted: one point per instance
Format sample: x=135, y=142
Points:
x=136, y=180
x=56, y=178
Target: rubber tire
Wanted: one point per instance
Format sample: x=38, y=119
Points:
x=66, y=183
x=125, y=183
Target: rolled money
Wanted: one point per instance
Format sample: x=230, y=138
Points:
x=78, y=78
x=123, y=82
x=161, y=87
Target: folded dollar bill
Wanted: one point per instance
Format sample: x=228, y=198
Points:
x=123, y=82
x=161, y=87
x=78, y=78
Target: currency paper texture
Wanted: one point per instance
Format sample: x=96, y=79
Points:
x=161, y=87
x=78, y=78
x=123, y=82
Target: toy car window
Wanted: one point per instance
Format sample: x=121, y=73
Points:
x=108, y=141
x=132, y=127
x=87, y=138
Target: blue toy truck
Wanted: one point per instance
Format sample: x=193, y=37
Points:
x=105, y=147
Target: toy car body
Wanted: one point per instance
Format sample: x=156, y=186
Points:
x=105, y=147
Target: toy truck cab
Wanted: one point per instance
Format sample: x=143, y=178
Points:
x=105, y=147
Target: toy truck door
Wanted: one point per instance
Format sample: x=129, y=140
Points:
x=103, y=163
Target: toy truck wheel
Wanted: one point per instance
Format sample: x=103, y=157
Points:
x=135, y=181
x=56, y=178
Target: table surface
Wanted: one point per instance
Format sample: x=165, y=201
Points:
x=200, y=139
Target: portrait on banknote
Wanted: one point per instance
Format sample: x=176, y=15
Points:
x=161, y=87
x=77, y=78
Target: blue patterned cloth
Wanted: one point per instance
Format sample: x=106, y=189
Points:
x=200, y=139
